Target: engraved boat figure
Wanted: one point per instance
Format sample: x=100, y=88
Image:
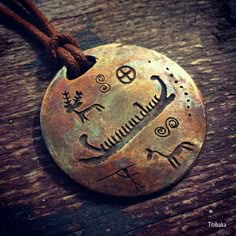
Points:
x=134, y=125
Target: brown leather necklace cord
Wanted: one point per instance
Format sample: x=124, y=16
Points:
x=61, y=46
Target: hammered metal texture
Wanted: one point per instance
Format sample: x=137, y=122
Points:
x=131, y=125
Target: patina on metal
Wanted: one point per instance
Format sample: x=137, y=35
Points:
x=131, y=125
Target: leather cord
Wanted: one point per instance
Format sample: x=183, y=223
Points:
x=61, y=46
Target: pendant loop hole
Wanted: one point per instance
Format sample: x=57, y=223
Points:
x=84, y=68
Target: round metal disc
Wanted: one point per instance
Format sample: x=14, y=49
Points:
x=131, y=125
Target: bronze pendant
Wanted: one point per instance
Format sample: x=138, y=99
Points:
x=131, y=125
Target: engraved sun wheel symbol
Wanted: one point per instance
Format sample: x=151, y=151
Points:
x=126, y=74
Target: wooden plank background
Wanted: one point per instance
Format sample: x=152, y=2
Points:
x=37, y=198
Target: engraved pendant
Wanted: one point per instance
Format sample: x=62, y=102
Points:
x=131, y=125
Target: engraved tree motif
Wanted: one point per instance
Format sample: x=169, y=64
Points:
x=68, y=104
x=71, y=106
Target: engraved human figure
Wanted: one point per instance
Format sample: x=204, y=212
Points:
x=126, y=174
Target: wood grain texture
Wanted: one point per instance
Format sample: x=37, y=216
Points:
x=37, y=198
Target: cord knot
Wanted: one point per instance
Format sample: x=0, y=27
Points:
x=59, y=40
x=64, y=49
x=61, y=46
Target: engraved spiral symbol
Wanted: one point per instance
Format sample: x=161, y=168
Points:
x=105, y=87
x=170, y=123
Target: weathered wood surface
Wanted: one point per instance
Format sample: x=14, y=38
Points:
x=37, y=198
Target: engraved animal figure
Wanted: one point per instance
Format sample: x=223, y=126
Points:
x=126, y=132
x=125, y=173
x=172, y=156
x=72, y=107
